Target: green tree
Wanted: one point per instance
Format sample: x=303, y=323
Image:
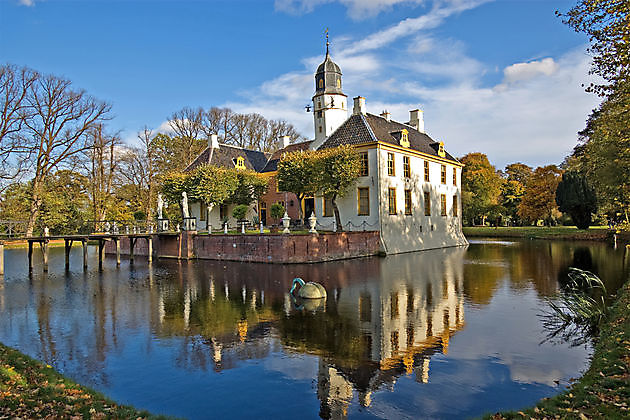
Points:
x=337, y=168
x=576, y=197
x=297, y=173
x=606, y=22
x=539, y=200
x=239, y=212
x=250, y=187
x=481, y=187
x=518, y=172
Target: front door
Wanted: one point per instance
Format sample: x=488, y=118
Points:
x=263, y=213
x=309, y=207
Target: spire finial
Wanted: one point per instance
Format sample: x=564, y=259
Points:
x=327, y=43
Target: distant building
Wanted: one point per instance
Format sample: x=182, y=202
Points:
x=409, y=188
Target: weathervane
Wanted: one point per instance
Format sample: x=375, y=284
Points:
x=327, y=43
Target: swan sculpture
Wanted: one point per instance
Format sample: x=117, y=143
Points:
x=310, y=290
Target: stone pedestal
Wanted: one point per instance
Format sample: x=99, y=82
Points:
x=162, y=225
x=190, y=223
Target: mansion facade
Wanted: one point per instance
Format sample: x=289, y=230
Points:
x=409, y=188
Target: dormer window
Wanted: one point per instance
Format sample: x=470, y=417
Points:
x=404, y=138
x=239, y=162
x=441, y=151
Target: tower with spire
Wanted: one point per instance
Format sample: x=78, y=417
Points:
x=330, y=105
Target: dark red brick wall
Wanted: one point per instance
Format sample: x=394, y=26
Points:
x=268, y=248
x=279, y=248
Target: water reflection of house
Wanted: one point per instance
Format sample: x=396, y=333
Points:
x=373, y=329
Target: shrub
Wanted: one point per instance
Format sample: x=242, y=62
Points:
x=277, y=210
x=239, y=212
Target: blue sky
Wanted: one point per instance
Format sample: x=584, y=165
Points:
x=498, y=76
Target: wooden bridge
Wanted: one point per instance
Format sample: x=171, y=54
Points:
x=101, y=238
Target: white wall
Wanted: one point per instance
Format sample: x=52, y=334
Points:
x=404, y=233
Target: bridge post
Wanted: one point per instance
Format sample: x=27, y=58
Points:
x=117, y=242
x=30, y=256
x=150, y=245
x=101, y=252
x=132, y=244
x=85, y=252
x=1, y=258
x=44, y=247
x=67, y=246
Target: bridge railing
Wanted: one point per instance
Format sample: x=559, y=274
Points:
x=12, y=228
x=122, y=226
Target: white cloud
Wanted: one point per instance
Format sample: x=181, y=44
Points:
x=526, y=71
x=532, y=115
x=357, y=9
x=27, y=3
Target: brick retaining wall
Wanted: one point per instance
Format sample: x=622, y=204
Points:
x=268, y=248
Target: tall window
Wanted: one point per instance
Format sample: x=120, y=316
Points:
x=455, y=205
x=392, y=201
x=443, y=204
x=363, y=202
x=328, y=207
x=426, y=171
x=427, y=204
x=454, y=176
x=408, y=202
x=443, y=174
x=240, y=162
x=391, y=170
x=406, y=167
x=222, y=212
x=364, y=164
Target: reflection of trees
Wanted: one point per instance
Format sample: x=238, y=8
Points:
x=482, y=271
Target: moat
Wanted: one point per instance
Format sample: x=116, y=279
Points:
x=449, y=333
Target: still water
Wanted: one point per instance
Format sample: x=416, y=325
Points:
x=450, y=333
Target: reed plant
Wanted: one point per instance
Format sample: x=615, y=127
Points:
x=576, y=313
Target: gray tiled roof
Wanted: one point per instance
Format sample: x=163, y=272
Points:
x=272, y=164
x=359, y=129
x=226, y=155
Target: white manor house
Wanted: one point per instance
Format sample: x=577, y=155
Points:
x=409, y=188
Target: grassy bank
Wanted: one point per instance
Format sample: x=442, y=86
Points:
x=30, y=389
x=596, y=233
x=604, y=390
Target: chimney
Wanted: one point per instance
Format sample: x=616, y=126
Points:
x=359, y=106
x=416, y=119
x=213, y=141
x=286, y=141
x=385, y=114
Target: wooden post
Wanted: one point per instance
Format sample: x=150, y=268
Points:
x=1, y=258
x=132, y=244
x=117, y=241
x=85, y=252
x=67, y=246
x=150, y=245
x=101, y=251
x=30, y=256
x=44, y=247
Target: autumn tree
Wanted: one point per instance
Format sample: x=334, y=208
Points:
x=481, y=187
x=188, y=139
x=576, y=197
x=56, y=131
x=337, y=169
x=297, y=173
x=539, y=200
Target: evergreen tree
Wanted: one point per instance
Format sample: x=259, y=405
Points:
x=577, y=198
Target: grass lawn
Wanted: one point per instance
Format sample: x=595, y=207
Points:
x=598, y=233
x=30, y=389
x=604, y=390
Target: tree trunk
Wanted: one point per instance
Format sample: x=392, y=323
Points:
x=36, y=203
x=333, y=200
